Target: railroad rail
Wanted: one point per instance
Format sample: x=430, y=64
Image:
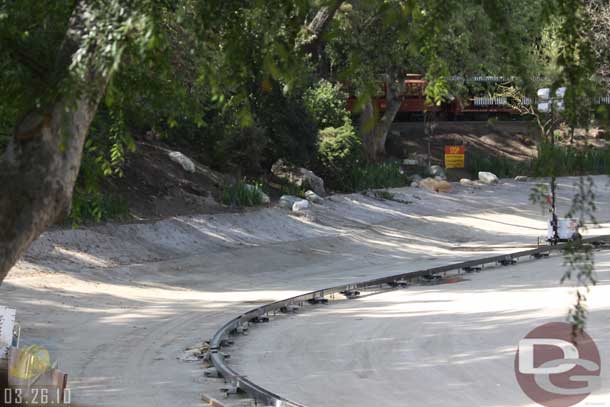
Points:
x=268, y=398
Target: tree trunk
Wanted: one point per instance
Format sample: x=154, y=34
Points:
x=318, y=26
x=374, y=132
x=40, y=166
x=316, y=29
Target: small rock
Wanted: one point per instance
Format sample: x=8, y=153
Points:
x=313, y=197
x=415, y=184
x=286, y=201
x=521, y=178
x=437, y=171
x=435, y=185
x=488, y=177
x=186, y=163
x=300, y=206
x=466, y=182
x=298, y=176
x=265, y=198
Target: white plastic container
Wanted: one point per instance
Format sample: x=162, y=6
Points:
x=7, y=325
x=567, y=229
x=544, y=94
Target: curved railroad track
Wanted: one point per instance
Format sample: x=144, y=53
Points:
x=220, y=341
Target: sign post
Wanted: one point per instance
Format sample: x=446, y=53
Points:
x=454, y=156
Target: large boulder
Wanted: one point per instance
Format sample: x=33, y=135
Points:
x=286, y=201
x=298, y=176
x=313, y=197
x=488, y=177
x=186, y=163
x=435, y=185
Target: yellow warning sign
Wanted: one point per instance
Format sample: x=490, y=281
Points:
x=454, y=156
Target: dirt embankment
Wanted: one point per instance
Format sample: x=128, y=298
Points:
x=515, y=140
x=155, y=187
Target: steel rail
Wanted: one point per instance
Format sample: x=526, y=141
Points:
x=268, y=398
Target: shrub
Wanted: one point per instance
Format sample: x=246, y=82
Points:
x=241, y=194
x=244, y=148
x=92, y=205
x=339, y=153
x=565, y=161
x=294, y=190
x=104, y=154
x=288, y=126
x=560, y=160
x=378, y=175
x=327, y=104
x=503, y=167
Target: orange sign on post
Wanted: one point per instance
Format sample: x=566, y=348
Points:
x=454, y=156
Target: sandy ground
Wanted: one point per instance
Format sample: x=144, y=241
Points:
x=117, y=305
x=445, y=345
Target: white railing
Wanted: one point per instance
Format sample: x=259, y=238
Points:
x=487, y=101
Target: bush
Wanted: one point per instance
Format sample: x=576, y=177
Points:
x=565, y=161
x=294, y=190
x=327, y=104
x=339, y=153
x=501, y=166
x=241, y=194
x=287, y=125
x=104, y=154
x=379, y=175
x=94, y=206
x=244, y=148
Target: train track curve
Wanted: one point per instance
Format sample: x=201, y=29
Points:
x=220, y=341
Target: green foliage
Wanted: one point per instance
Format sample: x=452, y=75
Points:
x=503, y=167
x=578, y=255
x=287, y=125
x=376, y=175
x=339, y=154
x=326, y=103
x=241, y=194
x=294, y=190
x=243, y=148
x=551, y=160
x=92, y=205
x=382, y=194
x=5, y=132
x=103, y=158
x=569, y=161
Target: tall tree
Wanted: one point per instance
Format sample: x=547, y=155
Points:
x=375, y=44
x=58, y=58
x=42, y=159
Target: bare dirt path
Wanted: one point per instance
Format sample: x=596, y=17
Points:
x=117, y=305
